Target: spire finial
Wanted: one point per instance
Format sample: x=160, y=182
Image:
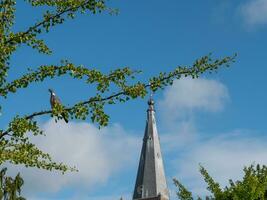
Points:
x=151, y=101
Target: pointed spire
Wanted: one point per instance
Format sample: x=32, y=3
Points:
x=151, y=181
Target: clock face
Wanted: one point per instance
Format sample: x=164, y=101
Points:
x=140, y=189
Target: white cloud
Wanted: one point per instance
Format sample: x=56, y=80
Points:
x=254, y=12
x=188, y=95
x=98, y=154
x=223, y=156
x=179, y=105
x=179, y=137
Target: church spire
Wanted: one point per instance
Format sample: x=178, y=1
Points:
x=150, y=181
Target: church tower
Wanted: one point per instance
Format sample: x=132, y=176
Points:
x=151, y=181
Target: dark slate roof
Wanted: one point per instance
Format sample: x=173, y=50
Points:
x=150, y=180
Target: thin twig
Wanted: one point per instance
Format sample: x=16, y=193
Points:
x=46, y=20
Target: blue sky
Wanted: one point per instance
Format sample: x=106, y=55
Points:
x=218, y=120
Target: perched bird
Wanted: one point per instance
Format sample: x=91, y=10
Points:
x=55, y=100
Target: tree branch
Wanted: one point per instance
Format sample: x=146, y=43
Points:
x=91, y=100
x=117, y=76
x=200, y=66
x=32, y=28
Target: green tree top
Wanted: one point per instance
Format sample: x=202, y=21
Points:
x=10, y=189
x=253, y=186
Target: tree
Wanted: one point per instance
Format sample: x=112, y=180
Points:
x=10, y=188
x=118, y=86
x=252, y=187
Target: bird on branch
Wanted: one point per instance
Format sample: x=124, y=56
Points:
x=55, y=100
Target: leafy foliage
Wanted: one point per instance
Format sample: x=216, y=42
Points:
x=182, y=193
x=117, y=86
x=10, y=188
x=252, y=187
